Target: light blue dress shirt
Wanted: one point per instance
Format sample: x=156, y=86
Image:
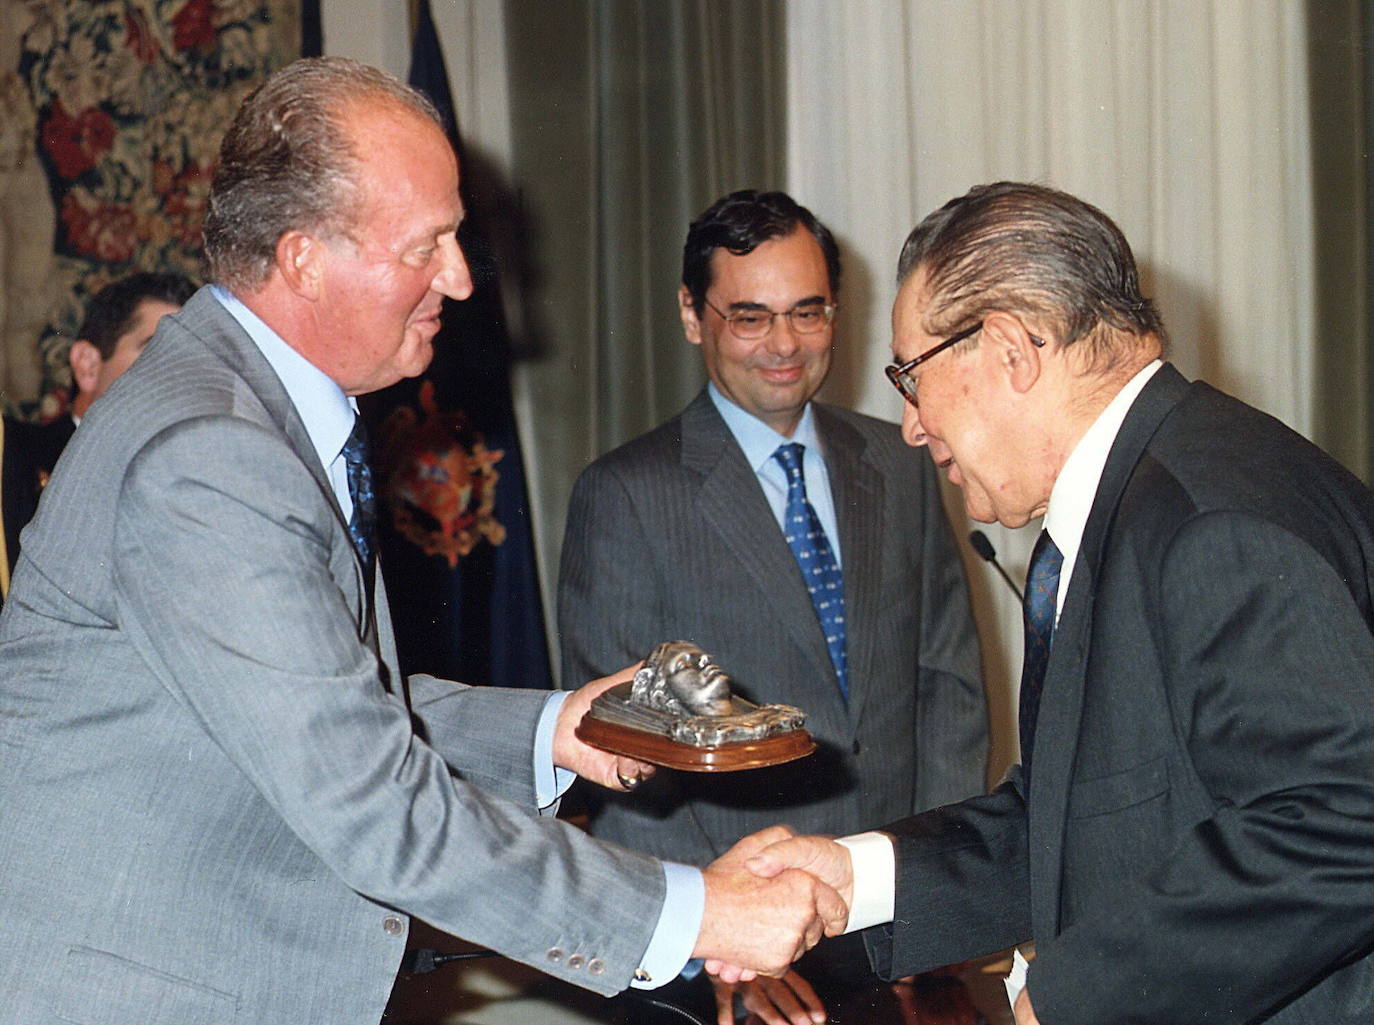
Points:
x=759, y=442
x=328, y=417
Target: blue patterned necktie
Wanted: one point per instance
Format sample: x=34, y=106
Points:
x=1042, y=590
x=811, y=548
x=362, y=525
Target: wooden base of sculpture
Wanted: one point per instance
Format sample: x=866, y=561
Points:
x=661, y=750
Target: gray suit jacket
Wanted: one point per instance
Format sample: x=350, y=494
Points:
x=220, y=801
x=1196, y=844
x=670, y=537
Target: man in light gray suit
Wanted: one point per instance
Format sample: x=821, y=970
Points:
x=221, y=802
x=682, y=534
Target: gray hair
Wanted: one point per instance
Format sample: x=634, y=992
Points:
x=288, y=163
x=1032, y=250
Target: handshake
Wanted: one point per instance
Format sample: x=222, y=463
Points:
x=770, y=899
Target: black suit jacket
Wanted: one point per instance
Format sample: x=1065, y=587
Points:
x=29, y=454
x=1198, y=843
x=670, y=537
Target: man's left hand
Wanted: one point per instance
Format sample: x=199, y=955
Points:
x=615, y=772
x=787, y=1000
x=1024, y=1014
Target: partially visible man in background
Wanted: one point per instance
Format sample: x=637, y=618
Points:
x=120, y=320
x=805, y=548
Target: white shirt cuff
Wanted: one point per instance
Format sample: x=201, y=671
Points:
x=550, y=782
x=874, y=865
x=679, y=924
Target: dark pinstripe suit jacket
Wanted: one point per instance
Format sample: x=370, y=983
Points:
x=670, y=537
x=1198, y=841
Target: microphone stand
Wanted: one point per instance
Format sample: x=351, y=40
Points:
x=985, y=551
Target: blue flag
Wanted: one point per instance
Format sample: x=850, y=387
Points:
x=457, y=547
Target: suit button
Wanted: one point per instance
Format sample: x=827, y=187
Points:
x=554, y=955
x=596, y=966
x=642, y=976
x=393, y=926
x=576, y=961
x=858, y=748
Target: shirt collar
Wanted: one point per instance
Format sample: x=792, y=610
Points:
x=756, y=438
x=1071, y=499
x=323, y=407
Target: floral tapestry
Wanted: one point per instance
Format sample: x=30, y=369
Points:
x=126, y=103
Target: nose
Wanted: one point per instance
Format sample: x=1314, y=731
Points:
x=782, y=339
x=912, y=432
x=455, y=277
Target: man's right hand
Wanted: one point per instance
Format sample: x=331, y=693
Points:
x=756, y=924
x=816, y=855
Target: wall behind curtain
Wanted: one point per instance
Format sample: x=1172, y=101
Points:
x=628, y=118
x=1188, y=122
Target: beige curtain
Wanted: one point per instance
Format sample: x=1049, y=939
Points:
x=628, y=117
x=1225, y=137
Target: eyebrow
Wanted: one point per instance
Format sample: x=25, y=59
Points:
x=811, y=300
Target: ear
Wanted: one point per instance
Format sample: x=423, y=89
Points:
x=85, y=360
x=1014, y=348
x=300, y=261
x=691, y=324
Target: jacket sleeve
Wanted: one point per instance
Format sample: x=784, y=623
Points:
x=227, y=583
x=961, y=885
x=1268, y=664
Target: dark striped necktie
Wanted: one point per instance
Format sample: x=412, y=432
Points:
x=362, y=525
x=1042, y=591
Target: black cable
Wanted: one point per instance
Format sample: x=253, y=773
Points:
x=642, y=997
x=421, y=961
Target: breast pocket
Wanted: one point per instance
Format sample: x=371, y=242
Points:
x=1117, y=830
x=1120, y=790
x=113, y=990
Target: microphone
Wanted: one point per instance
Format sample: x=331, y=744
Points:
x=985, y=551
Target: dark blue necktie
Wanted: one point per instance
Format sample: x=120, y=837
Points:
x=1042, y=590
x=819, y=568
x=362, y=525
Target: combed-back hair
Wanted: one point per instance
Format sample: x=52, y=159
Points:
x=288, y=163
x=1036, y=251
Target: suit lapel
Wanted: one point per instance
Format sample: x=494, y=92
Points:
x=857, y=487
x=1061, y=702
x=732, y=503
x=205, y=317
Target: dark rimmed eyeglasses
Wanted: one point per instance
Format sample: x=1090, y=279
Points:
x=900, y=374
x=752, y=323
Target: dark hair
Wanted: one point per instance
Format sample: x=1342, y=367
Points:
x=287, y=162
x=739, y=223
x=1033, y=250
x=110, y=314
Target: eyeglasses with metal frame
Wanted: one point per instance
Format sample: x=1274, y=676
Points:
x=900, y=374
x=754, y=322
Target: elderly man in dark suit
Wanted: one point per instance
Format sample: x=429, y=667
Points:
x=1190, y=834
x=692, y=532
x=221, y=801
x=120, y=320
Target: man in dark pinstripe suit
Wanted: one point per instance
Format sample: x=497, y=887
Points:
x=680, y=535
